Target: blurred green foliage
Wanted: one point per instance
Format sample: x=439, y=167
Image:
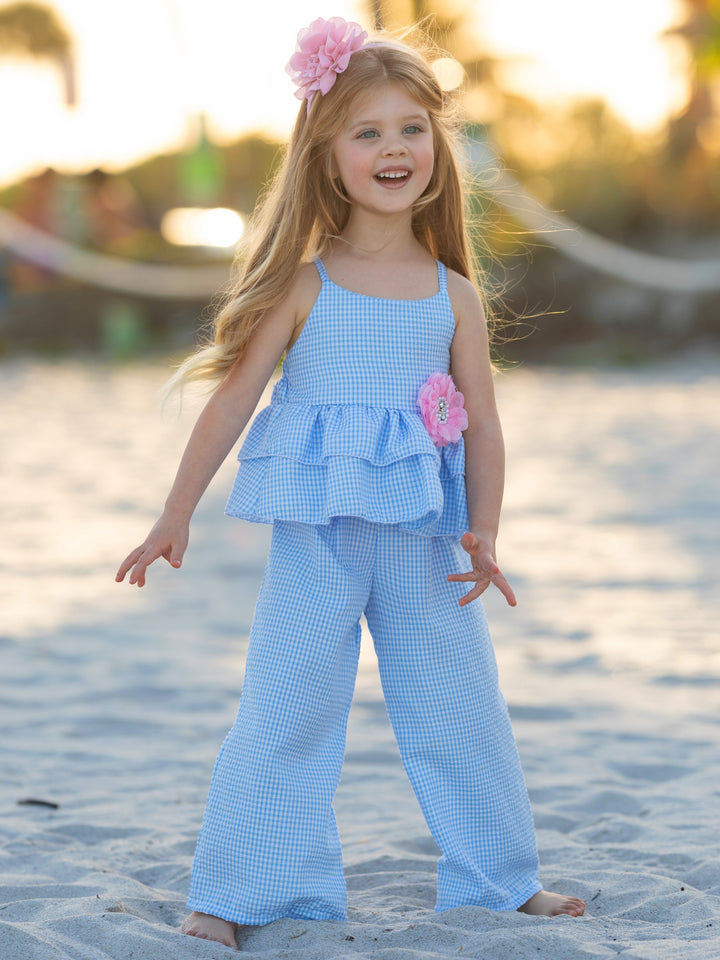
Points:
x=239, y=171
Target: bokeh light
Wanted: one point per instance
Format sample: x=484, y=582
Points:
x=449, y=72
x=195, y=227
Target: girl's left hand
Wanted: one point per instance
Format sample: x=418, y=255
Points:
x=484, y=572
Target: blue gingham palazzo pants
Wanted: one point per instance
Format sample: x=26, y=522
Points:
x=269, y=844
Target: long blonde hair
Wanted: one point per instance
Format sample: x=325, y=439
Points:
x=305, y=207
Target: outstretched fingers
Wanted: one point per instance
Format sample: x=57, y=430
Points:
x=484, y=572
x=481, y=584
x=499, y=580
x=168, y=539
x=140, y=559
x=129, y=561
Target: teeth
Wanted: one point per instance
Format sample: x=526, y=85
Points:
x=392, y=176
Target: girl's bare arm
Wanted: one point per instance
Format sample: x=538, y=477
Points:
x=484, y=448
x=220, y=424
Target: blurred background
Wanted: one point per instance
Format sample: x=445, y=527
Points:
x=134, y=140
x=136, y=137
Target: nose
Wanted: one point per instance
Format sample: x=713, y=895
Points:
x=394, y=148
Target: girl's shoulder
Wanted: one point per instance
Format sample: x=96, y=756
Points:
x=301, y=298
x=305, y=287
x=464, y=298
x=302, y=293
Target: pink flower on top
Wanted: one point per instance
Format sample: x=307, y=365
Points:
x=442, y=410
x=324, y=50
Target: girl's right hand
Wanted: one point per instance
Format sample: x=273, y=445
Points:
x=168, y=538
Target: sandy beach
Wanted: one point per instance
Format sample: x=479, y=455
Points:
x=114, y=701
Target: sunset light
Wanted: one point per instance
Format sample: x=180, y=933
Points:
x=161, y=63
x=560, y=49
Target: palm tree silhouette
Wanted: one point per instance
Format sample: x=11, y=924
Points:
x=699, y=30
x=34, y=30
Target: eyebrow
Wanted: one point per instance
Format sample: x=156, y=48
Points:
x=423, y=117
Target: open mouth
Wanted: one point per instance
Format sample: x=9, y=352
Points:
x=393, y=177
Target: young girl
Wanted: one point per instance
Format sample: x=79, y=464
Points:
x=359, y=272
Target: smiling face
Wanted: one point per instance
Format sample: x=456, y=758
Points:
x=384, y=153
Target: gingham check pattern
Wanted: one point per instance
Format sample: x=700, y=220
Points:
x=269, y=845
x=343, y=435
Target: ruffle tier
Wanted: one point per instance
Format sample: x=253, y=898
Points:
x=312, y=462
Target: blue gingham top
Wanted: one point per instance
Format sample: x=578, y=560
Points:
x=343, y=435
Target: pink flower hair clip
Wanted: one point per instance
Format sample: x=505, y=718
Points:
x=323, y=51
x=442, y=409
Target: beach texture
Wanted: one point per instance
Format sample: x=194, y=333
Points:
x=114, y=701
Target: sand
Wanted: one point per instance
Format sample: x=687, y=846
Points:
x=113, y=701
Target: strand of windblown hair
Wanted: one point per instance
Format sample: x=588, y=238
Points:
x=606, y=256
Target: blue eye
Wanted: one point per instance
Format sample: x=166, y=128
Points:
x=367, y=134
x=412, y=128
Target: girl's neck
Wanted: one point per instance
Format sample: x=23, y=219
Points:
x=375, y=238
x=383, y=259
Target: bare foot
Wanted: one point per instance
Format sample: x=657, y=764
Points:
x=205, y=927
x=545, y=904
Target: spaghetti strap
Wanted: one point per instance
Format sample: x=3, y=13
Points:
x=321, y=270
x=442, y=276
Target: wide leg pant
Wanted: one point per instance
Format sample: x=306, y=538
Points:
x=269, y=845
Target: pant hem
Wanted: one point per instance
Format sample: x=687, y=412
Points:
x=514, y=903
x=255, y=920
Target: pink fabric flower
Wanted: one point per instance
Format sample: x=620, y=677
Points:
x=442, y=410
x=324, y=50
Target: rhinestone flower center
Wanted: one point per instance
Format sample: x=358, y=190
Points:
x=443, y=409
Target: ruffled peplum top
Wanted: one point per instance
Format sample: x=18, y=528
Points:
x=343, y=435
